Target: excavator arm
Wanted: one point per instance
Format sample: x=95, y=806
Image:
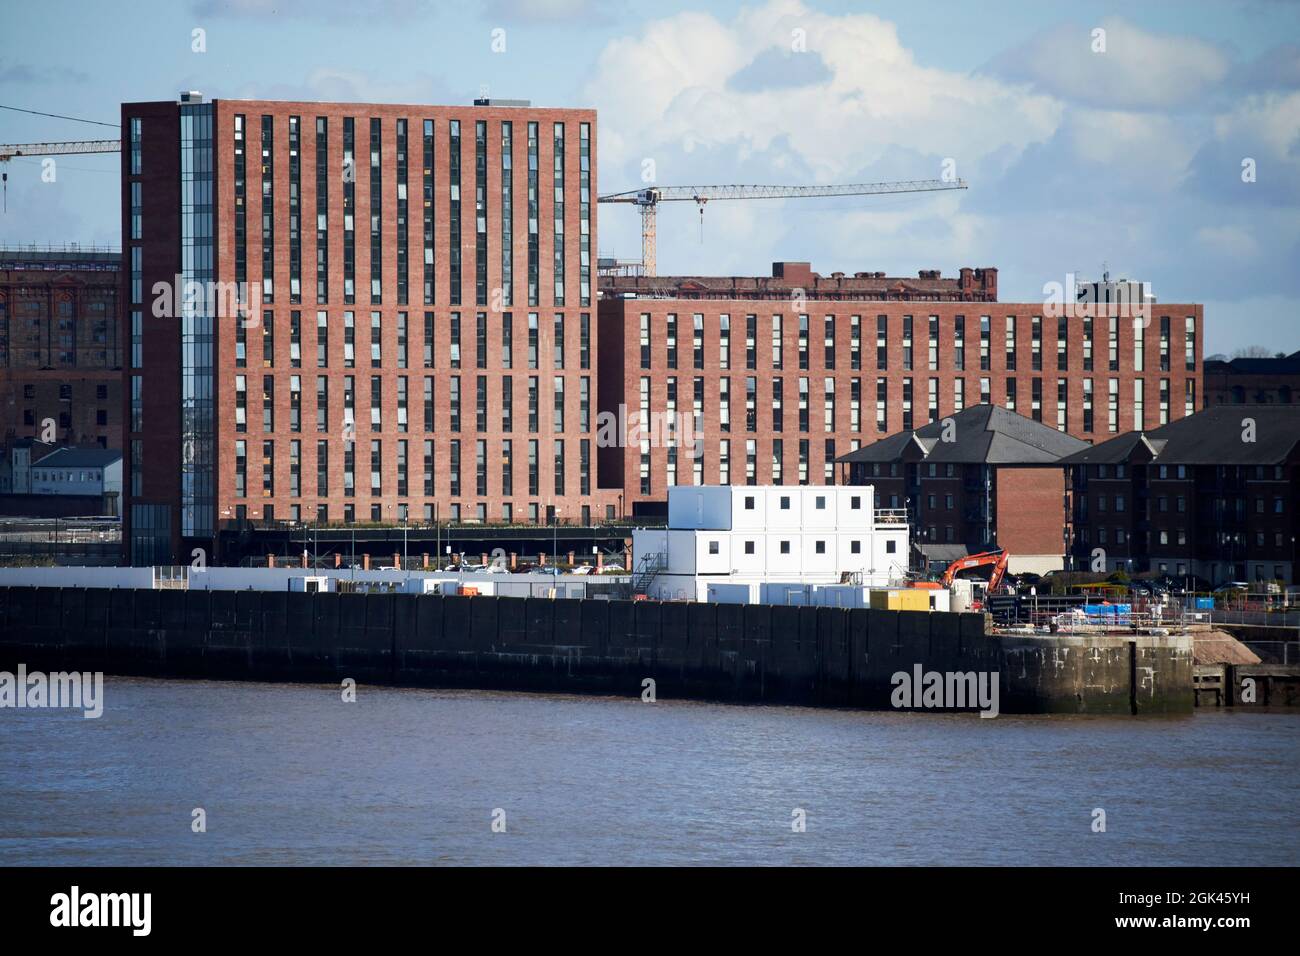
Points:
x=996, y=560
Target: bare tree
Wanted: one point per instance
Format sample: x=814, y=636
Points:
x=1253, y=351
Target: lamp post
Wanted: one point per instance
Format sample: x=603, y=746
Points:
x=555, y=536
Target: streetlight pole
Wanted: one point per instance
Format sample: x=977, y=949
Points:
x=555, y=537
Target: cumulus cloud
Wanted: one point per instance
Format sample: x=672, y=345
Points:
x=1137, y=70
x=672, y=82
x=1263, y=132
x=712, y=100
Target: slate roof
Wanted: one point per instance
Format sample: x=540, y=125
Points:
x=1213, y=436
x=983, y=434
x=79, y=458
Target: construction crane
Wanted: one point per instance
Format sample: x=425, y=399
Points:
x=649, y=199
x=9, y=151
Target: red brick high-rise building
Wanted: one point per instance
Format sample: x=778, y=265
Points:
x=781, y=376
x=414, y=332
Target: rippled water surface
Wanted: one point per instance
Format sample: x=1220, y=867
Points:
x=291, y=774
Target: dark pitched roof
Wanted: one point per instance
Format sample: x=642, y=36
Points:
x=981, y=434
x=1213, y=436
x=1286, y=365
x=79, y=458
x=1132, y=446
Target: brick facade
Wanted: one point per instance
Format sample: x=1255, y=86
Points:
x=268, y=340
x=60, y=347
x=845, y=363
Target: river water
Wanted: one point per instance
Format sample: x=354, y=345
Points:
x=291, y=774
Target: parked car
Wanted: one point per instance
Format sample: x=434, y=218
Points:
x=1231, y=587
x=613, y=567
x=582, y=569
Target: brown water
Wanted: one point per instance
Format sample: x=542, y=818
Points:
x=290, y=774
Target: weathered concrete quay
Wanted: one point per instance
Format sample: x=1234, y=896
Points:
x=816, y=656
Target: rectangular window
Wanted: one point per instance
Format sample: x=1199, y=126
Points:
x=137, y=144
x=480, y=213
x=557, y=232
x=453, y=213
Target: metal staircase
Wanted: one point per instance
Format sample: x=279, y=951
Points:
x=646, y=569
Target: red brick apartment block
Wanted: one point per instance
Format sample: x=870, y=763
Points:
x=423, y=273
x=781, y=376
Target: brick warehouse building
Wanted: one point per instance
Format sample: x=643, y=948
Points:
x=1252, y=381
x=60, y=346
x=786, y=374
x=421, y=272
x=983, y=478
x=1214, y=495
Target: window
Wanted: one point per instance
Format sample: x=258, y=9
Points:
x=713, y=547
x=136, y=144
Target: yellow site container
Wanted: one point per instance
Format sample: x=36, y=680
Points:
x=901, y=599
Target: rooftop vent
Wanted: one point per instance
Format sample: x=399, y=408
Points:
x=190, y=96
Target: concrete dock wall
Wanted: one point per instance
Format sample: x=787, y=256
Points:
x=756, y=653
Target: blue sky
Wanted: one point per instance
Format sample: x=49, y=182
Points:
x=1128, y=155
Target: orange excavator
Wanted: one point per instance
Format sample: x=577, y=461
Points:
x=995, y=560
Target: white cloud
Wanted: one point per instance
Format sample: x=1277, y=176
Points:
x=1138, y=70
x=1272, y=119
x=1233, y=241
x=668, y=86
